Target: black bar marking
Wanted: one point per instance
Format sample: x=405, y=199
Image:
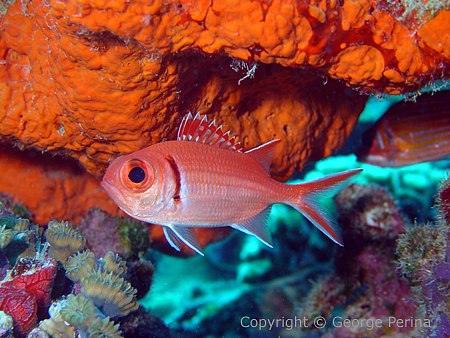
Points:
x=176, y=173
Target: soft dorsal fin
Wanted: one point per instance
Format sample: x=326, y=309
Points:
x=197, y=129
x=264, y=153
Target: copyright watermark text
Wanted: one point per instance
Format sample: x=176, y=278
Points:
x=320, y=322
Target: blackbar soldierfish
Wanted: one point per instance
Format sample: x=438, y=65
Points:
x=203, y=179
x=410, y=132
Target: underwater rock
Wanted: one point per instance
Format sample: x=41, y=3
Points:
x=140, y=274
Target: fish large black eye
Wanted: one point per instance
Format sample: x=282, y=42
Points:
x=136, y=175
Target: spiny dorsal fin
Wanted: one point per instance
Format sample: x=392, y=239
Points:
x=264, y=153
x=197, y=129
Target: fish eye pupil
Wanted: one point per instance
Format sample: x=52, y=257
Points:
x=136, y=175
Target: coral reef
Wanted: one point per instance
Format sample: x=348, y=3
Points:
x=424, y=258
x=365, y=284
x=88, y=307
x=96, y=83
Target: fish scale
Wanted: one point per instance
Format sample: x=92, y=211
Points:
x=225, y=187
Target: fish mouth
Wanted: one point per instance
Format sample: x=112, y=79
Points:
x=112, y=191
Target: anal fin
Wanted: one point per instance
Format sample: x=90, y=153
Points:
x=257, y=227
x=176, y=235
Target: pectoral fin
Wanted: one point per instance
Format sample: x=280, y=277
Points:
x=176, y=235
x=256, y=226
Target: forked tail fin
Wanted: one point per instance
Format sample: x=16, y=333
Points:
x=307, y=201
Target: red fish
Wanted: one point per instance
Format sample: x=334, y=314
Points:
x=410, y=132
x=204, y=179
